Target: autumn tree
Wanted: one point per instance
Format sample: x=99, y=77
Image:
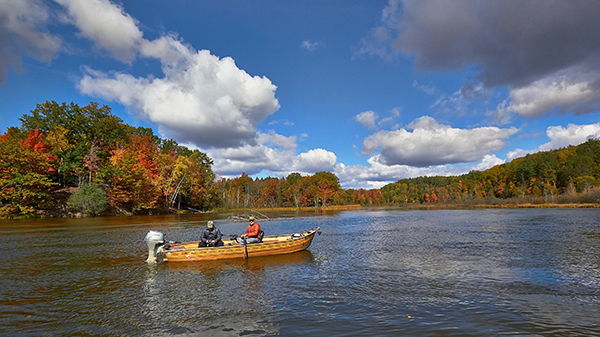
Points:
x=198, y=189
x=25, y=167
x=134, y=175
x=76, y=132
x=291, y=190
x=326, y=185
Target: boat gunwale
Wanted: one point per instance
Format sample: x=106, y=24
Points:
x=306, y=235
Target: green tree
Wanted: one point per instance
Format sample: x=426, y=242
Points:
x=89, y=199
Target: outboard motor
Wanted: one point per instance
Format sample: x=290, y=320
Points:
x=155, y=241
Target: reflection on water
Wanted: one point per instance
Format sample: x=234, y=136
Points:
x=384, y=272
x=227, y=297
x=251, y=264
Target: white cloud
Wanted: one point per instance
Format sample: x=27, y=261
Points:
x=107, y=25
x=314, y=161
x=421, y=150
x=367, y=119
x=277, y=140
x=202, y=99
x=562, y=137
x=282, y=161
x=566, y=94
x=377, y=174
x=488, y=161
x=571, y=135
x=22, y=31
x=274, y=154
x=518, y=153
x=431, y=143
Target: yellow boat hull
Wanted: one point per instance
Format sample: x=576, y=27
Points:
x=271, y=245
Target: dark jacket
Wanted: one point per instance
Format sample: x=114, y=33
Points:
x=209, y=235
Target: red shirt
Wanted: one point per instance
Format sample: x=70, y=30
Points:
x=253, y=230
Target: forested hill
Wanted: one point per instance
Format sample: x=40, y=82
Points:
x=575, y=169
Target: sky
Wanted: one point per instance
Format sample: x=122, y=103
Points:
x=373, y=91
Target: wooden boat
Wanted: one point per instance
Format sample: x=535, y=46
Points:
x=189, y=251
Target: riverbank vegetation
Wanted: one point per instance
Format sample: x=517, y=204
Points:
x=66, y=160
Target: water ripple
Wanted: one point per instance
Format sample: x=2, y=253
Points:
x=426, y=273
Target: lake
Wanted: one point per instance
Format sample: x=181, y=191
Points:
x=372, y=272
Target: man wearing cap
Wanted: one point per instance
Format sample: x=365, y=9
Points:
x=252, y=232
x=211, y=236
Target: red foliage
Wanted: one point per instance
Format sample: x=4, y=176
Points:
x=39, y=156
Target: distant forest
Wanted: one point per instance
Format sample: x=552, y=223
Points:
x=539, y=177
x=66, y=159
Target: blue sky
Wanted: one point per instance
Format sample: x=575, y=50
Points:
x=373, y=91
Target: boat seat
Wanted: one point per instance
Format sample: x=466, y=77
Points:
x=261, y=235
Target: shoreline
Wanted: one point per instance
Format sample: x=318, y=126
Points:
x=344, y=208
x=424, y=206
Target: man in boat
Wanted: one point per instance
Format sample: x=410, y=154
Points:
x=252, y=232
x=211, y=236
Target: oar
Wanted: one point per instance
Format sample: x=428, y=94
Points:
x=245, y=250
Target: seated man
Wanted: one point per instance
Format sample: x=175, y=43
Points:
x=211, y=236
x=252, y=232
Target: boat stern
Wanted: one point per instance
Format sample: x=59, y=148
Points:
x=155, y=241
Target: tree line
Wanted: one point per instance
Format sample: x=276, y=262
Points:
x=539, y=176
x=295, y=190
x=66, y=159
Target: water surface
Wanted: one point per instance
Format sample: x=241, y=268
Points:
x=372, y=272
